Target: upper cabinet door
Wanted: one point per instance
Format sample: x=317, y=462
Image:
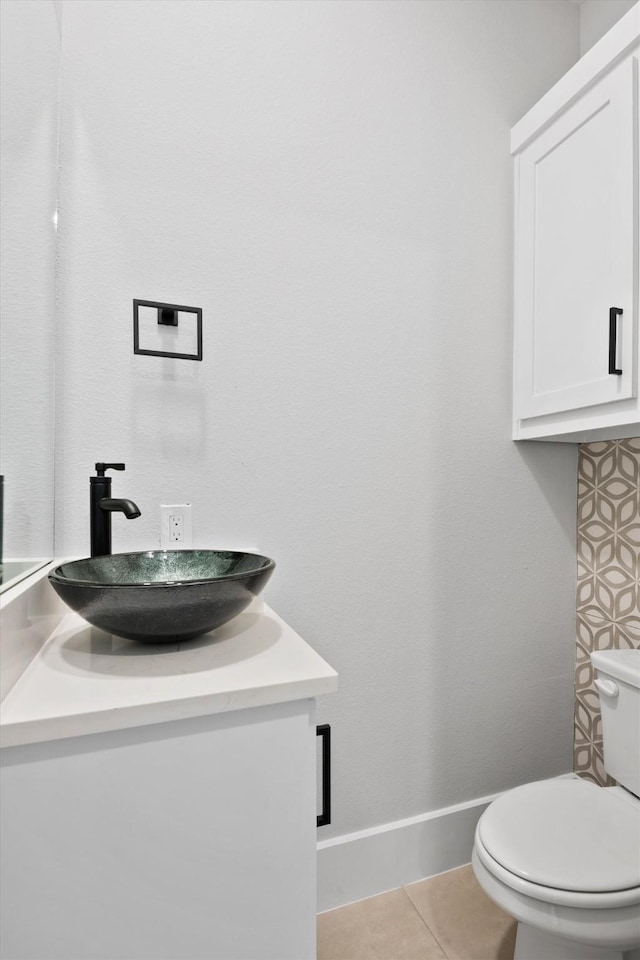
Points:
x=576, y=247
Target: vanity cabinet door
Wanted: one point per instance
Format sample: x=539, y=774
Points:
x=576, y=253
x=191, y=838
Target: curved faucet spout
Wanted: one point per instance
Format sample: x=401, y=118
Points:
x=128, y=507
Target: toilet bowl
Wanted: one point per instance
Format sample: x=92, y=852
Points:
x=563, y=856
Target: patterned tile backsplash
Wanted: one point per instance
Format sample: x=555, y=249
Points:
x=608, y=594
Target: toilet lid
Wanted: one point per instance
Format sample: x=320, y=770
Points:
x=567, y=834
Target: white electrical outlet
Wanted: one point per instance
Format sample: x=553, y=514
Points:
x=175, y=526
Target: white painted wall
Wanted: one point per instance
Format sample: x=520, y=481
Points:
x=332, y=184
x=29, y=60
x=598, y=16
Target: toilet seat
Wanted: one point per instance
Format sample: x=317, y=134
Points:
x=609, y=921
x=618, y=899
x=564, y=841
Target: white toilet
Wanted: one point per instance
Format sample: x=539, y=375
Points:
x=563, y=856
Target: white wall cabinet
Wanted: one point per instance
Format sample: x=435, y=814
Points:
x=576, y=267
x=190, y=839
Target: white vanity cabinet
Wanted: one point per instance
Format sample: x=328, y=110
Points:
x=158, y=802
x=576, y=344
x=188, y=839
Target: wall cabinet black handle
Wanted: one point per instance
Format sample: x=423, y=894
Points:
x=614, y=313
x=324, y=731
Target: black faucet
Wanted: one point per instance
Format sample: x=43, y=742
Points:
x=102, y=506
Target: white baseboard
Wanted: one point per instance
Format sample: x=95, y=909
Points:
x=359, y=865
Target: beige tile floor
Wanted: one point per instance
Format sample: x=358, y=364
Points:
x=448, y=917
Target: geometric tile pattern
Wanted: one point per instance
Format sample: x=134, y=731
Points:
x=608, y=592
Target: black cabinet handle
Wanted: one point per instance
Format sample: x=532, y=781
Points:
x=614, y=313
x=324, y=731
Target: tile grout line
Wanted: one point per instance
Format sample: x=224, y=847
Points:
x=426, y=924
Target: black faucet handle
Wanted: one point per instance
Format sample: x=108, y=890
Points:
x=101, y=467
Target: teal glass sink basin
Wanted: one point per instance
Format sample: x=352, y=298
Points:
x=162, y=595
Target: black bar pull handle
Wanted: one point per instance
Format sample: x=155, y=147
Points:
x=324, y=731
x=614, y=313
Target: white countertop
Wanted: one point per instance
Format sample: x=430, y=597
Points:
x=85, y=681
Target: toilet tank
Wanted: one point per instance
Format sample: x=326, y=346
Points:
x=618, y=683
